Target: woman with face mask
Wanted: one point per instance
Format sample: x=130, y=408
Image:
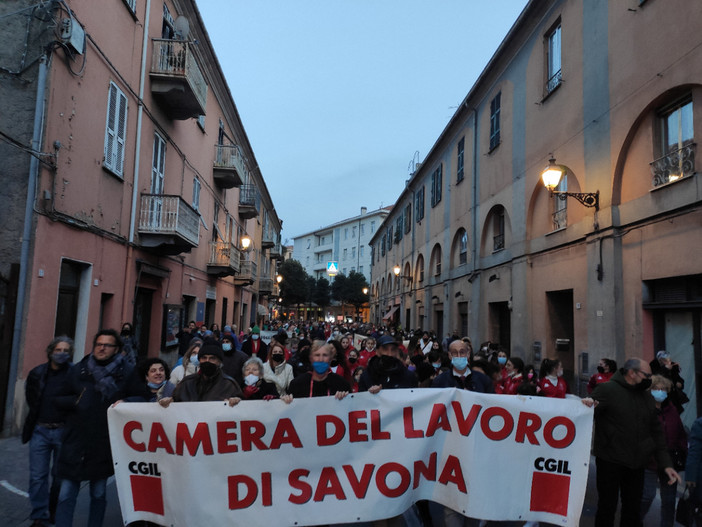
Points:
x=190, y=363
x=276, y=370
x=676, y=441
x=605, y=370
x=552, y=383
x=154, y=373
x=255, y=387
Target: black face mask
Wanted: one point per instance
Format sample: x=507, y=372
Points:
x=278, y=357
x=600, y=369
x=334, y=362
x=644, y=385
x=388, y=363
x=208, y=369
x=352, y=360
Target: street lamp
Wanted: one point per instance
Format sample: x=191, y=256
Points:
x=278, y=278
x=551, y=176
x=397, y=270
x=246, y=242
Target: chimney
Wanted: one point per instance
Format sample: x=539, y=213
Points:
x=364, y=210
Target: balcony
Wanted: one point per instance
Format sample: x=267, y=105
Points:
x=249, y=201
x=265, y=286
x=229, y=168
x=276, y=251
x=176, y=80
x=247, y=272
x=224, y=259
x=168, y=224
x=673, y=166
x=268, y=239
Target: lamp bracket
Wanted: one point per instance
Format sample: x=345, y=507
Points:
x=589, y=199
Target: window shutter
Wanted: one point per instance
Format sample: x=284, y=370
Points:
x=110, y=131
x=121, y=133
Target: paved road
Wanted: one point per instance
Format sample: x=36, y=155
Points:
x=15, y=509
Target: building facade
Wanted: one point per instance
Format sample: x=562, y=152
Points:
x=345, y=242
x=131, y=185
x=613, y=91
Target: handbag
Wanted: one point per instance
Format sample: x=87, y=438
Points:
x=687, y=510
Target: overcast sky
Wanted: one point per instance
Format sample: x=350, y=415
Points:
x=336, y=96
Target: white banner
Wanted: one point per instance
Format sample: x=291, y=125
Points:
x=366, y=457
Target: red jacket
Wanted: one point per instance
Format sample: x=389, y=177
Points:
x=512, y=383
x=549, y=390
x=597, y=379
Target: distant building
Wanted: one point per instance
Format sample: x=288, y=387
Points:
x=129, y=183
x=344, y=242
x=613, y=91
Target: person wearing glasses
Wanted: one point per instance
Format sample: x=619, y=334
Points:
x=102, y=378
x=627, y=434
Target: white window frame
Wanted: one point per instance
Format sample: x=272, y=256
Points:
x=196, y=193
x=115, y=130
x=158, y=165
x=554, y=51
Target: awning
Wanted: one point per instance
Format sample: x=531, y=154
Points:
x=390, y=313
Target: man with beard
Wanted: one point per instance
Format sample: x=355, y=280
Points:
x=627, y=434
x=96, y=382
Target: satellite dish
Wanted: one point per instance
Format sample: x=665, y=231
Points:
x=182, y=27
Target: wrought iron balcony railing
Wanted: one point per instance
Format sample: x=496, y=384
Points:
x=224, y=256
x=229, y=166
x=162, y=214
x=674, y=165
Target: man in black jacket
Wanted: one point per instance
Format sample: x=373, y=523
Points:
x=92, y=386
x=44, y=428
x=386, y=370
x=627, y=434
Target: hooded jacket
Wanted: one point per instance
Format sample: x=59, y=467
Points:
x=627, y=429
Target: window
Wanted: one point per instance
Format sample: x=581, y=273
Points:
x=677, y=146
x=343, y=271
x=460, y=159
x=463, y=249
x=553, y=58
x=382, y=246
x=390, y=238
x=408, y=218
x=363, y=229
x=115, y=130
x=360, y=269
x=309, y=242
x=560, y=206
x=131, y=4
x=353, y=253
x=360, y=251
x=372, y=227
x=398, y=228
x=158, y=166
x=498, y=239
x=495, y=121
x=436, y=179
x=419, y=205
x=353, y=231
x=345, y=253
x=346, y=233
x=196, y=194
x=201, y=122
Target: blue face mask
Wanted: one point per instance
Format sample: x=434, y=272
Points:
x=436, y=365
x=61, y=357
x=659, y=395
x=502, y=360
x=460, y=363
x=194, y=360
x=155, y=386
x=320, y=367
x=226, y=346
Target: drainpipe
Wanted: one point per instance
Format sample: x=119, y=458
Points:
x=39, y=107
x=137, y=155
x=474, y=219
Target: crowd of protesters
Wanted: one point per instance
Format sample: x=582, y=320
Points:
x=67, y=423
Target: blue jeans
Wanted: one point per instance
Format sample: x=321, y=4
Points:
x=69, y=495
x=43, y=445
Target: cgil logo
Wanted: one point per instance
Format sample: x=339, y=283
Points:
x=559, y=466
x=147, y=491
x=550, y=486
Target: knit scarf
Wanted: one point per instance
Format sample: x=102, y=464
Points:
x=104, y=375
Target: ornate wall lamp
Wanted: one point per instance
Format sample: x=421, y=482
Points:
x=552, y=175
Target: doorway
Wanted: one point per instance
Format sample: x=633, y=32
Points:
x=560, y=319
x=501, y=324
x=142, y=319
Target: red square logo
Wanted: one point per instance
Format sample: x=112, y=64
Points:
x=147, y=494
x=549, y=493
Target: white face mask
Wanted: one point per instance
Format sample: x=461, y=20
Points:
x=254, y=336
x=251, y=379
